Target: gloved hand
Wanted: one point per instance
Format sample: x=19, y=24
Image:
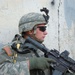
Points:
x=69, y=74
x=40, y=63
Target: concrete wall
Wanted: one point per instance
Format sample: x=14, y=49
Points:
x=61, y=27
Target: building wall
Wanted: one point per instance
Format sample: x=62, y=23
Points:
x=61, y=26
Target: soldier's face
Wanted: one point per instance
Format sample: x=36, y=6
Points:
x=41, y=32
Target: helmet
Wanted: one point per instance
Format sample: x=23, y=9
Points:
x=28, y=21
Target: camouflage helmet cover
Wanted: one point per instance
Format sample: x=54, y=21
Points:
x=28, y=21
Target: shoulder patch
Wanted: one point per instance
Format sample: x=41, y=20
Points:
x=7, y=49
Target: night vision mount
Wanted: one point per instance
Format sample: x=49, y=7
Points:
x=46, y=16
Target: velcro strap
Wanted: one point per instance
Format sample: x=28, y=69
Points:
x=7, y=50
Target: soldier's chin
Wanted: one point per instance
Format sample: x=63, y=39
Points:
x=41, y=41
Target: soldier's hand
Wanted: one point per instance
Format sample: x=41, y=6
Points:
x=40, y=63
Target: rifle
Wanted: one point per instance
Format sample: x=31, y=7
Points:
x=63, y=62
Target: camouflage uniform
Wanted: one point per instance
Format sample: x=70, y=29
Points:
x=9, y=66
x=30, y=53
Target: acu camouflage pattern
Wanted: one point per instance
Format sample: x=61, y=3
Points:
x=7, y=67
x=28, y=21
x=19, y=68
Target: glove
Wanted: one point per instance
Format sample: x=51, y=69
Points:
x=40, y=63
x=69, y=74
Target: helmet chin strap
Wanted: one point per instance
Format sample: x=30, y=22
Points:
x=34, y=32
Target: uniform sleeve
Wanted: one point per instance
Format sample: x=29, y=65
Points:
x=19, y=68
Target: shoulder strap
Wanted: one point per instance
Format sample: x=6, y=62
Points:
x=7, y=50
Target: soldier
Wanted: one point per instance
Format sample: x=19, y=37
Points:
x=17, y=59
x=14, y=59
x=34, y=26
